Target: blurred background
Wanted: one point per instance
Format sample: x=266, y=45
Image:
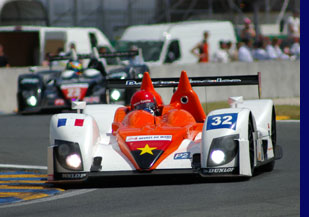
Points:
x=245, y=37
x=113, y=16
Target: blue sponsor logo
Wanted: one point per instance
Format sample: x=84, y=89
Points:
x=182, y=155
x=228, y=121
x=61, y=122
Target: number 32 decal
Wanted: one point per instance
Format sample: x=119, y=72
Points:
x=222, y=121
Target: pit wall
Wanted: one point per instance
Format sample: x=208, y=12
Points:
x=280, y=79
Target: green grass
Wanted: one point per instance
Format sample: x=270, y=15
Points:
x=292, y=111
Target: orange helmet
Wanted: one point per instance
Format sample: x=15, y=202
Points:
x=143, y=100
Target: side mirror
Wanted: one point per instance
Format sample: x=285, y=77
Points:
x=78, y=105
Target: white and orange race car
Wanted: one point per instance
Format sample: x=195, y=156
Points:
x=178, y=138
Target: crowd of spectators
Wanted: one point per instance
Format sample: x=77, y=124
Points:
x=249, y=50
x=258, y=48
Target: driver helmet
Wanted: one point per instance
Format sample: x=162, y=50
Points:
x=143, y=100
x=75, y=66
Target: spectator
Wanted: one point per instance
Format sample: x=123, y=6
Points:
x=247, y=33
x=244, y=51
x=287, y=52
x=60, y=51
x=259, y=51
x=275, y=43
x=3, y=58
x=232, y=52
x=103, y=50
x=293, y=24
x=72, y=52
x=295, y=49
x=221, y=55
x=72, y=46
x=270, y=48
x=46, y=61
x=201, y=50
x=138, y=59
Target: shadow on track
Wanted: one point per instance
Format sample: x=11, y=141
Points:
x=142, y=181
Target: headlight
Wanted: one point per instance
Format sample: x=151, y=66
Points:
x=68, y=155
x=223, y=150
x=73, y=161
x=32, y=101
x=115, y=95
x=217, y=156
x=140, y=75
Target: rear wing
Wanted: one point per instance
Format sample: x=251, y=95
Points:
x=194, y=81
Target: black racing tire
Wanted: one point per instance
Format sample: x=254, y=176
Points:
x=251, y=143
x=271, y=165
x=103, y=98
x=20, y=107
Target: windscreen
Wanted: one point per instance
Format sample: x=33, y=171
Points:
x=151, y=49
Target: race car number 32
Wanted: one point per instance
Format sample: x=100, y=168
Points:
x=228, y=121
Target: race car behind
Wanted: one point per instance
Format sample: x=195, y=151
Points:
x=56, y=89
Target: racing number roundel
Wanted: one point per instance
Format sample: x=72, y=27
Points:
x=74, y=91
x=228, y=121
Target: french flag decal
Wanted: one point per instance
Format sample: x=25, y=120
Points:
x=61, y=122
x=79, y=122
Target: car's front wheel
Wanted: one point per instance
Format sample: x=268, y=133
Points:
x=270, y=166
x=251, y=143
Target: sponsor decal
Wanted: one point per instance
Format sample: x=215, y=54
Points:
x=218, y=80
x=142, y=101
x=182, y=155
x=219, y=170
x=132, y=83
x=146, y=149
x=30, y=81
x=59, y=102
x=228, y=121
x=92, y=99
x=73, y=175
x=201, y=82
x=149, y=138
x=135, y=83
x=61, y=122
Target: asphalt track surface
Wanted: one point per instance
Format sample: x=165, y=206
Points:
x=24, y=139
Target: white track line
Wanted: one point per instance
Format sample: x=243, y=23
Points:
x=15, y=166
x=289, y=121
